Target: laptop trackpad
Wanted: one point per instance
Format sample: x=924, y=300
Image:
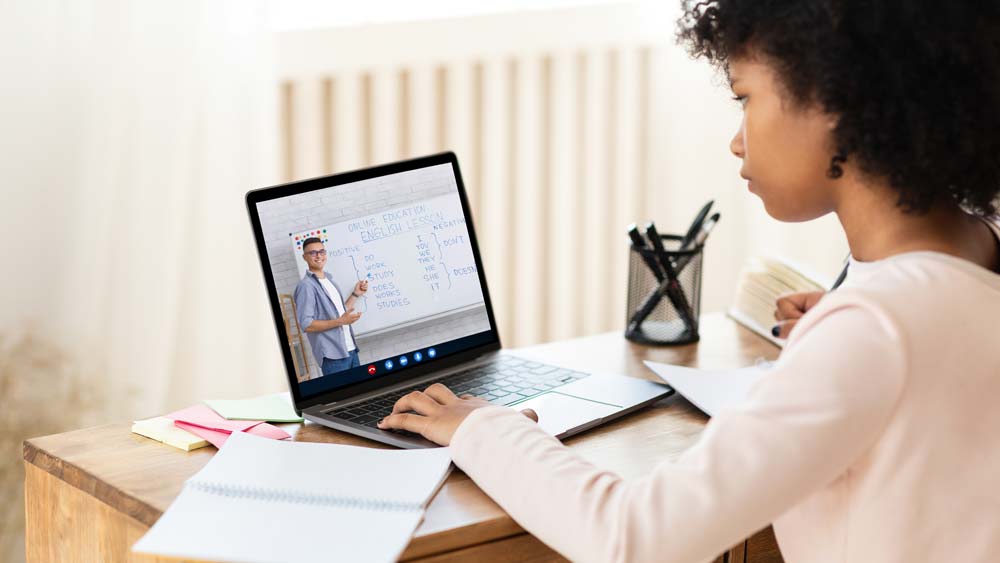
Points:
x=558, y=413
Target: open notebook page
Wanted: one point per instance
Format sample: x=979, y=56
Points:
x=299, y=501
x=399, y=476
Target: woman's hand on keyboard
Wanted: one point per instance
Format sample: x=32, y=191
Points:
x=435, y=413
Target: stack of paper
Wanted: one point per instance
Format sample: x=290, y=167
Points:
x=163, y=430
x=265, y=500
x=212, y=423
x=204, y=422
x=272, y=408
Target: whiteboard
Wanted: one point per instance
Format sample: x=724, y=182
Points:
x=417, y=259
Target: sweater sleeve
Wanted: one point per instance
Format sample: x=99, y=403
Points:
x=822, y=405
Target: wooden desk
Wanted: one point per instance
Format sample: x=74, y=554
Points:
x=90, y=494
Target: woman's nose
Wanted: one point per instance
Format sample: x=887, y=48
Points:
x=736, y=144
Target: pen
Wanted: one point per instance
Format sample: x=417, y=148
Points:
x=699, y=240
x=654, y=296
x=843, y=273
x=638, y=242
x=706, y=228
x=696, y=225
x=674, y=290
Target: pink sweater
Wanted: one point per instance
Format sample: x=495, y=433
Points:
x=875, y=437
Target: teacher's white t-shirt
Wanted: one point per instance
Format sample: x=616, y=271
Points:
x=338, y=304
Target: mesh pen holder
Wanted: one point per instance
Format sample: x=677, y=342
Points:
x=664, y=312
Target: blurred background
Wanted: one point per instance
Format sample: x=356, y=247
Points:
x=131, y=131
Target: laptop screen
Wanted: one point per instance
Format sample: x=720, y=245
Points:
x=376, y=273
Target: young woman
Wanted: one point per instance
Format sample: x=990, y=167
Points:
x=874, y=436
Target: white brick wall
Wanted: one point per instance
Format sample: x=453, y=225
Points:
x=279, y=218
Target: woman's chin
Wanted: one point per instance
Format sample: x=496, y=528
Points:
x=785, y=215
x=774, y=208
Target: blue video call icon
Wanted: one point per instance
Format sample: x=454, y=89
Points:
x=431, y=352
x=388, y=364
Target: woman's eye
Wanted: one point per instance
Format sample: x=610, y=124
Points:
x=742, y=100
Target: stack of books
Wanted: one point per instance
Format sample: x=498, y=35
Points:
x=761, y=282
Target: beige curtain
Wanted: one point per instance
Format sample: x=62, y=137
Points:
x=131, y=131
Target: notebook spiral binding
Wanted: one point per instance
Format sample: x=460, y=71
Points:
x=299, y=497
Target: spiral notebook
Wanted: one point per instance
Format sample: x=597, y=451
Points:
x=267, y=500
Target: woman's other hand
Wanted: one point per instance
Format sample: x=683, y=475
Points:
x=790, y=309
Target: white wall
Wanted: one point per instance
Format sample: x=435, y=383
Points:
x=552, y=193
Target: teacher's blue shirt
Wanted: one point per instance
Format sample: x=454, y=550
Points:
x=312, y=303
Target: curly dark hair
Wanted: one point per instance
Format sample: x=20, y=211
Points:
x=915, y=84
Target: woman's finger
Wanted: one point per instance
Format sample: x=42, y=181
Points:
x=405, y=421
x=794, y=305
x=783, y=328
x=789, y=307
x=417, y=402
x=812, y=298
x=530, y=413
x=440, y=393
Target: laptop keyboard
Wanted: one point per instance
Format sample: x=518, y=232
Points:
x=504, y=382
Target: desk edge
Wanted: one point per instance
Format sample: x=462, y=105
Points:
x=92, y=485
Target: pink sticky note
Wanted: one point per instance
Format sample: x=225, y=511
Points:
x=202, y=416
x=218, y=437
x=214, y=437
x=271, y=431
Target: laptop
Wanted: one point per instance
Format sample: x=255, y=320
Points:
x=377, y=288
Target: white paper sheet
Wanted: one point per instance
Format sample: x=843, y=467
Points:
x=712, y=391
x=203, y=526
x=262, y=500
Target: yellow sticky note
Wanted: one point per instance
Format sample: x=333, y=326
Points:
x=162, y=429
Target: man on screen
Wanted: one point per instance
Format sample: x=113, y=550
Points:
x=324, y=314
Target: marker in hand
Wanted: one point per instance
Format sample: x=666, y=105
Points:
x=360, y=288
